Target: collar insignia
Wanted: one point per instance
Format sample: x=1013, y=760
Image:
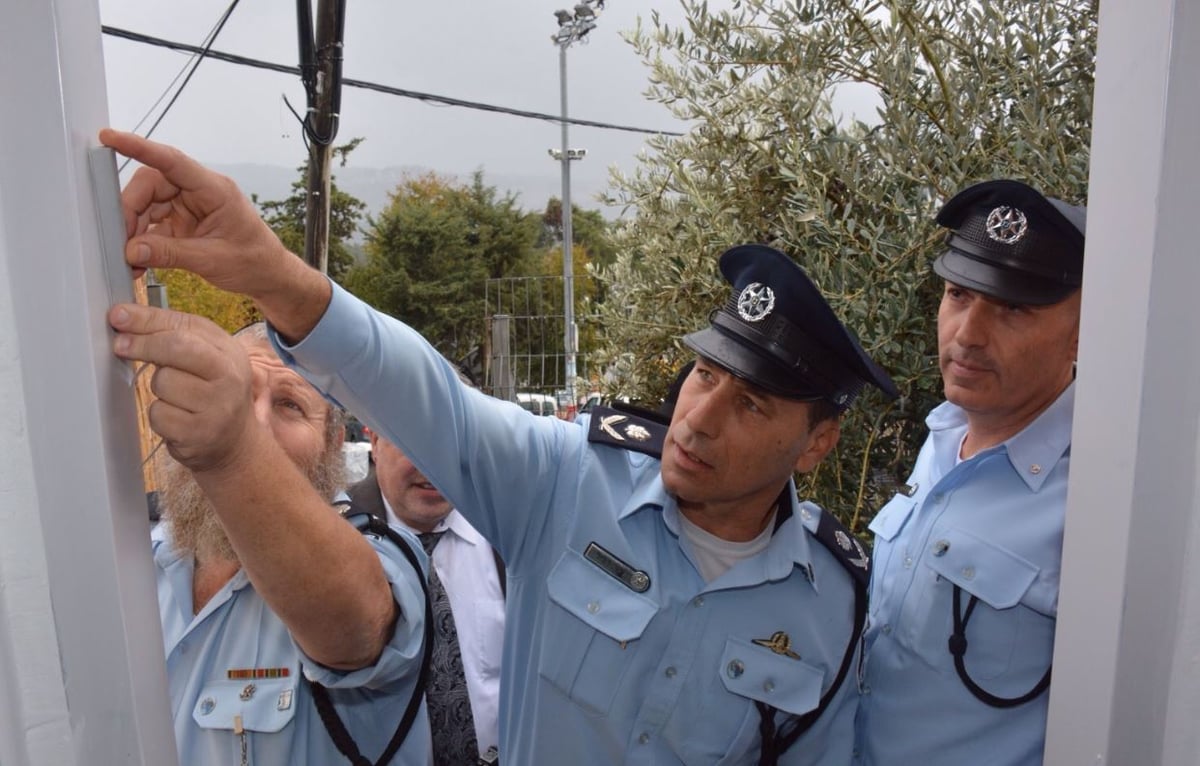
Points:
x=755, y=302
x=1007, y=225
x=780, y=643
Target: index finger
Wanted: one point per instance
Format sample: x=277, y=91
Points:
x=176, y=173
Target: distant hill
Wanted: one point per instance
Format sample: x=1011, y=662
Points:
x=372, y=185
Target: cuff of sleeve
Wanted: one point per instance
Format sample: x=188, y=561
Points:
x=326, y=344
x=401, y=656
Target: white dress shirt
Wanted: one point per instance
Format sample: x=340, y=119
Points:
x=467, y=568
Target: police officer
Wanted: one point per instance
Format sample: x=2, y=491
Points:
x=964, y=589
x=670, y=600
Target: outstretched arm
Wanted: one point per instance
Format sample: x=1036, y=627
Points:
x=317, y=573
x=179, y=214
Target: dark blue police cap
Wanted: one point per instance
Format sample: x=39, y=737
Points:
x=777, y=332
x=1009, y=241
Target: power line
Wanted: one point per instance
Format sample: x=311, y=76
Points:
x=366, y=85
x=188, y=67
x=204, y=51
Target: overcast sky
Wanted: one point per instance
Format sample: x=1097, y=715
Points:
x=490, y=51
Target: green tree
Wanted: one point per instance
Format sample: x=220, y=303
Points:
x=346, y=212
x=433, y=248
x=191, y=294
x=966, y=91
x=588, y=228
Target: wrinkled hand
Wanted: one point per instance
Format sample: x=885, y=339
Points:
x=204, y=384
x=179, y=214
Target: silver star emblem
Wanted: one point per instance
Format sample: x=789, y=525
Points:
x=755, y=302
x=1007, y=225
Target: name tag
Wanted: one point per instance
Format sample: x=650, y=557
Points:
x=634, y=579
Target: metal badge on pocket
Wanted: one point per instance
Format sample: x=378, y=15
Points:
x=634, y=579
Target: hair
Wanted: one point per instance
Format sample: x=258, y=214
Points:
x=821, y=410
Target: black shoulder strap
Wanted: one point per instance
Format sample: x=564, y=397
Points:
x=500, y=573
x=627, y=430
x=845, y=547
x=852, y=555
x=368, y=524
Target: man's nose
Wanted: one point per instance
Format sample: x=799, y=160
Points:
x=260, y=393
x=704, y=418
x=973, y=324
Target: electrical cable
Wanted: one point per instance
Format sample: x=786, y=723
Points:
x=208, y=39
x=204, y=51
x=366, y=85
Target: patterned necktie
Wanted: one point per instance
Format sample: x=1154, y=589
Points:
x=446, y=693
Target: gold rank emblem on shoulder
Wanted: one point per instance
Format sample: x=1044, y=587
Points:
x=780, y=643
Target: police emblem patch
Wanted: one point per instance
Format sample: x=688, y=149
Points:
x=1007, y=225
x=755, y=302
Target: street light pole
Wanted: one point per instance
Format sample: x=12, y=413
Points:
x=569, y=338
x=572, y=27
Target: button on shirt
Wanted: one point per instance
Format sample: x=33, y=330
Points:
x=594, y=671
x=467, y=568
x=992, y=525
x=236, y=631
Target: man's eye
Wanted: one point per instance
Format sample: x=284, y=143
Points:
x=289, y=404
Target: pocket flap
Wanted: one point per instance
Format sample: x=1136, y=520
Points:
x=758, y=673
x=994, y=575
x=265, y=704
x=891, y=517
x=599, y=599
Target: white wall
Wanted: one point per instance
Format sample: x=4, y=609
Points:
x=1125, y=690
x=81, y=675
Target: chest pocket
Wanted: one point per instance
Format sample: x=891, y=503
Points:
x=265, y=704
x=590, y=630
x=761, y=675
x=999, y=624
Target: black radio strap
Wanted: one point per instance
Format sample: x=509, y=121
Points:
x=333, y=723
x=958, y=648
x=776, y=742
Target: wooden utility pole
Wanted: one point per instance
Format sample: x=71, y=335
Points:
x=321, y=125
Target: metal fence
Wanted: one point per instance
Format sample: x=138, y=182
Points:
x=526, y=360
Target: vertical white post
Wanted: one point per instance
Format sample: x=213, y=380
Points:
x=82, y=678
x=1126, y=688
x=568, y=235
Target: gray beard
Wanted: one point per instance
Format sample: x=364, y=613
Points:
x=193, y=522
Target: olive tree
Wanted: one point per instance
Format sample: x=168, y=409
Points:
x=963, y=91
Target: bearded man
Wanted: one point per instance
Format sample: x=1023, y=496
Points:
x=260, y=580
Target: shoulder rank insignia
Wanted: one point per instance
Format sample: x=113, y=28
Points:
x=845, y=547
x=627, y=431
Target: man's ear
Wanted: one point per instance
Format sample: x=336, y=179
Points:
x=821, y=440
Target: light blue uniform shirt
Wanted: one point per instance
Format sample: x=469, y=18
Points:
x=594, y=672
x=236, y=630
x=993, y=526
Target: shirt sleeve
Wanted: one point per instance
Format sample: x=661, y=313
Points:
x=401, y=657
x=500, y=466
